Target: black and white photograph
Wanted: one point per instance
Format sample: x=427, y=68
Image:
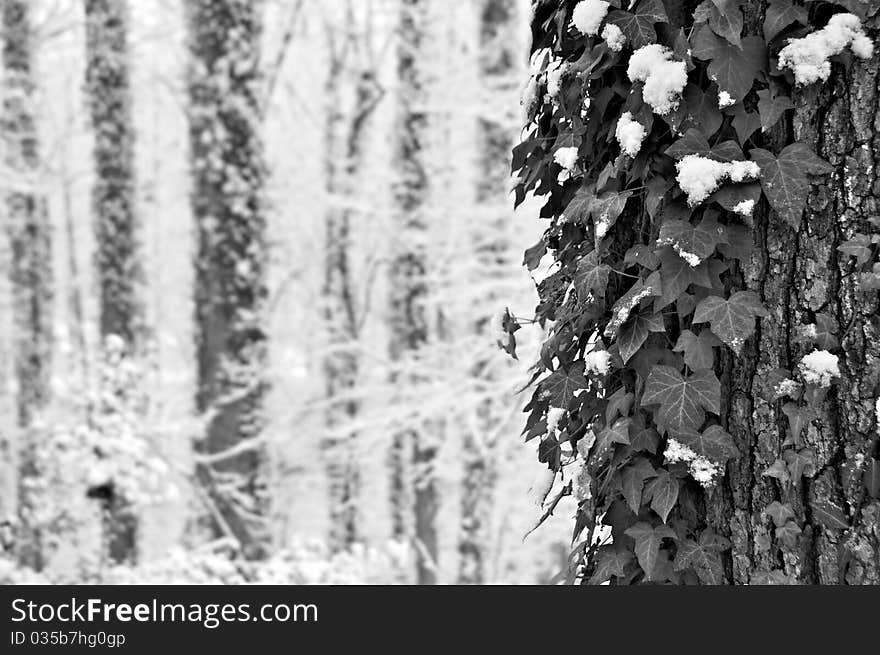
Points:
x=438, y=293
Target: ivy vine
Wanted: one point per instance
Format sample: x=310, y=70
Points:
x=650, y=191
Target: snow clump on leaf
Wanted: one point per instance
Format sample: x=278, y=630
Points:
x=614, y=37
x=808, y=57
x=745, y=207
x=725, y=99
x=699, y=176
x=555, y=71
x=701, y=468
x=566, y=157
x=597, y=362
x=588, y=15
x=664, y=77
x=629, y=134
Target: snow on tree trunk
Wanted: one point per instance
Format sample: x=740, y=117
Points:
x=412, y=450
x=802, y=275
x=230, y=287
x=497, y=68
x=28, y=231
x=118, y=262
x=346, y=122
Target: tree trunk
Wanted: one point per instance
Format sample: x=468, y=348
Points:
x=346, y=123
x=800, y=273
x=29, y=237
x=230, y=287
x=497, y=67
x=411, y=447
x=118, y=263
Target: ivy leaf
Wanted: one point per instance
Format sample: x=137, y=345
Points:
x=784, y=178
x=509, y=325
x=858, y=7
x=699, y=350
x=550, y=453
x=648, y=540
x=532, y=256
x=826, y=331
x=871, y=478
x=617, y=433
x=591, y=276
x=560, y=386
x=780, y=14
x=634, y=333
x=657, y=188
x=606, y=209
x=771, y=109
x=800, y=463
x=740, y=241
x=713, y=443
x=627, y=302
x=733, y=320
x=870, y=281
x=620, y=403
x=731, y=195
x=677, y=275
x=642, y=255
x=727, y=151
x=788, y=534
x=664, y=493
x=859, y=247
x=702, y=109
x=732, y=67
x=578, y=208
x=611, y=561
x=723, y=16
x=829, y=514
x=691, y=241
x=633, y=481
x=798, y=418
x=706, y=562
x=693, y=142
x=646, y=439
x=682, y=400
x=745, y=122
x=777, y=470
x=638, y=26
x=779, y=513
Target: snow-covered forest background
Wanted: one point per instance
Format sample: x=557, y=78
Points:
x=380, y=440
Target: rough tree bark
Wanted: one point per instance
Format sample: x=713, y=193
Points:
x=800, y=273
x=117, y=260
x=28, y=232
x=346, y=122
x=497, y=67
x=230, y=287
x=412, y=452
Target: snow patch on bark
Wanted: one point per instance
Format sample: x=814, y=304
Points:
x=819, y=367
x=808, y=57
